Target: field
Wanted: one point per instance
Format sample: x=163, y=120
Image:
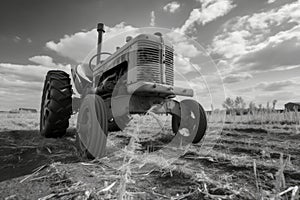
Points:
x=243, y=157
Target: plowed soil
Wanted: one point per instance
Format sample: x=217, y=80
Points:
x=246, y=162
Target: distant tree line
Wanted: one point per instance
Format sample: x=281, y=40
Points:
x=238, y=106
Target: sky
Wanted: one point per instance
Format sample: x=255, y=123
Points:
x=224, y=48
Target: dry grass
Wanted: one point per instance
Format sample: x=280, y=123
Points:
x=257, y=117
x=19, y=121
x=255, y=158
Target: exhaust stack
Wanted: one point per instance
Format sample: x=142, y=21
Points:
x=100, y=29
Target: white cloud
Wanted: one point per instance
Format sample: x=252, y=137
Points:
x=271, y=1
x=29, y=40
x=183, y=45
x=29, y=73
x=47, y=61
x=152, y=19
x=255, y=31
x=171, y=7
x=231, y=44
x=75, y=46
x=17, y=39
x=186, y=49
x=209, y=11
x=22, y=84
x=262, y=41
x=42, y=60
x=183, y=65
x=81, y=44
x=233, y=78
x=274, y=86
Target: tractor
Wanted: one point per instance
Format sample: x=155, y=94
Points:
x=136, y=77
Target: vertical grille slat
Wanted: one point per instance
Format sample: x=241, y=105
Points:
x=149, y=61
x=169, y=61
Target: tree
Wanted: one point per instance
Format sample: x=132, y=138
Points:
x=268, y=105
x=252, y=106
x=228, y=104
x=239, y=103
x=274, y=104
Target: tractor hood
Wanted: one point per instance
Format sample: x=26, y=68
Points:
x=130, y=46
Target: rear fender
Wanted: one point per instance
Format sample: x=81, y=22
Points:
x=80, y=82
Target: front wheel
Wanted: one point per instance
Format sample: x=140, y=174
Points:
x=192, y=122
x=92, y=126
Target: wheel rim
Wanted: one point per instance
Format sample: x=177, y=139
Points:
x=85, y=128
x=191, y=122
x=91, y=136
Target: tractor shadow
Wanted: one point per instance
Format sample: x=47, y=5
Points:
x=23, y=151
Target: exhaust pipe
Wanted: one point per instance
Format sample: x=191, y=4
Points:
x=100, y=29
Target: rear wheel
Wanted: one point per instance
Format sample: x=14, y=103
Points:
x=56, y=106
x=92, y=126
x=192, y=121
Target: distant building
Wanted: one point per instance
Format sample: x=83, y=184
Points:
x=14, y=111
x=30, y=110
x=292, y=106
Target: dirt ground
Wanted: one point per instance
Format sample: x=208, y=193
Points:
x=248, y=161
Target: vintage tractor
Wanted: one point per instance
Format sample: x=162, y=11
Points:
x=135, y=78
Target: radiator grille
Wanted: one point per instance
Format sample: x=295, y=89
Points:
x=149, y=62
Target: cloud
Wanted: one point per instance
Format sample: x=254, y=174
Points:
x=233, y=78
x=22, y=84
x=42, y=60
x=209, y=11
x=20, y=95
x=11, y=85
x=263, y=41
x=252, y=32
x=171, y=7
x=17, y=39
x=281, y=56
x=152, y=20
x=81, y=44
x=184, y=46
x=284, y=91
x=184, y=65
x=271, y=1
x=28, y=73
x=47, y=61
x=274, y=86
x=186, y=49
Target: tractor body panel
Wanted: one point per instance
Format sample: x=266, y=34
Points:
x=149, y=63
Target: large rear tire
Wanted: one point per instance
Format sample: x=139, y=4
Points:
x=56, y=105
x=193, y=118
x=92, y=126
